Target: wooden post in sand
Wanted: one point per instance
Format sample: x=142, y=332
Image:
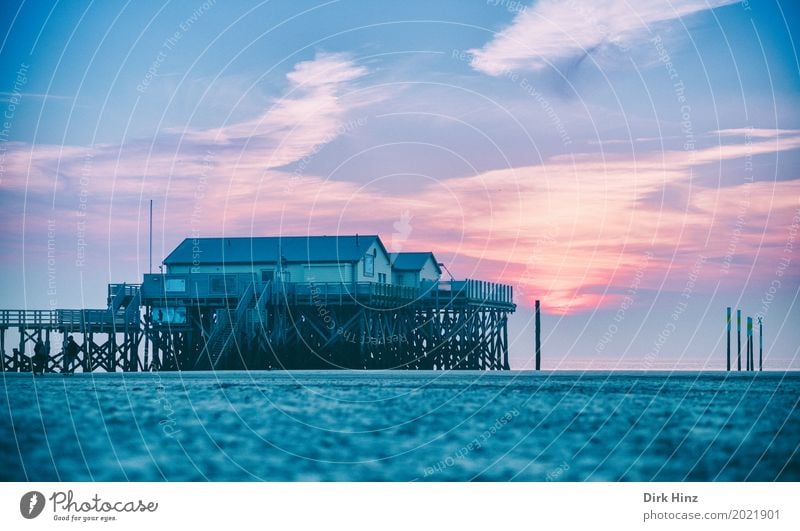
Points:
x=760, y=346
x=739, y=340
x=749, y=343
x=538, y=323
x=729, y=340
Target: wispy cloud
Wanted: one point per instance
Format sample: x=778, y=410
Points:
x=554, y=30
x=756, y=132
x=8, y=97
x=307, y=115
x=573, y=232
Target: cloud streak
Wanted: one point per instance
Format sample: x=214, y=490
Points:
x=551, y=31
x=307, y=115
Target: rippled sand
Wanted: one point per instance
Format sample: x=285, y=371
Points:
x=401, y=426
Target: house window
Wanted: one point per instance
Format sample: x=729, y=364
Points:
x=267, y=275
x=369, y=264
x=222, y=284
x=382, y=278
x=175, y=285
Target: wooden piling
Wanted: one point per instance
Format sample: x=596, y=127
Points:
x=760, y=346
x=746, y=348
x=749, y=343
x=538, y=337
x=739, y=340
x=728, y=366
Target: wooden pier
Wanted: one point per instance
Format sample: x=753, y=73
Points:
x=105, y=339
x=209, y=321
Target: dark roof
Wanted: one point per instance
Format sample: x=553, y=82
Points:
x=412, y=261
x=296, y=249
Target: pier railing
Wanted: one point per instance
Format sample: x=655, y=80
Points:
x=477, y=292
x=183, y=289
x=341, y=293
x=68, y=319
x=32, y=318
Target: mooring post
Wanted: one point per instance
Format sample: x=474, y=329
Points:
x=538, y=336
x=749, y=343
x=746, y=345
x=760, y=345
x=739, y=340
x=753, y=345
x=729, y=339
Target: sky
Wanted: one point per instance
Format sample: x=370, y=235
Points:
x=633, y=165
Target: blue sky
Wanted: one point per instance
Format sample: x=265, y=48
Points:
x=553, y=145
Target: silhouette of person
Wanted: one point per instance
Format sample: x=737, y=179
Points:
x=70, y=354
x=39, y=357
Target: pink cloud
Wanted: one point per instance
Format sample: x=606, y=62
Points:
x=572, y=231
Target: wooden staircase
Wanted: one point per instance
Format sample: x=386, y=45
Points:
x=124, y=301
x=227, y=330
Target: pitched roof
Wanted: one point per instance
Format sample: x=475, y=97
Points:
x=296, y=249
x=412, y=261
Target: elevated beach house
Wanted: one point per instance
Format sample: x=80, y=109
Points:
x=319, y=259
x=278, y=302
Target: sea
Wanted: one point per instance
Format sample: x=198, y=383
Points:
x=401, y=426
